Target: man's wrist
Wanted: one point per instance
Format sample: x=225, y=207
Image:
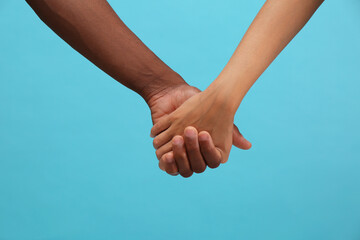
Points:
x=159, y=83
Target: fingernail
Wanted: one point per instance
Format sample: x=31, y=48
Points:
x=203, y=137
x=178, y=140
x=190, y=132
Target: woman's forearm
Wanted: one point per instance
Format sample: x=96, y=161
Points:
x=274, y=27
x=93, y=29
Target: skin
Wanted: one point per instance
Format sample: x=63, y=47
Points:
x=164, y=104
x=212, y=111
x=93, y=29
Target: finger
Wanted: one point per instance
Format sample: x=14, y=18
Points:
x=162, y=139
x=163, y=149
x=169, y=163
x=209, y=152
x=162, y=125
x=161, y=165
x=196, y=160
x=180, y=157
x=239, y=141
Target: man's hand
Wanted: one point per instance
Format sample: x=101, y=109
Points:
x=194, y=148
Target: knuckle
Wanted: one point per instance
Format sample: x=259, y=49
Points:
x=186, y=174
x=155, y=143
x=200, y=168
x=159, y=155
x=154, y=129
x=161, y=166
x=171, y=118
x=170, y=171
x=161, y=159
x=214, y=164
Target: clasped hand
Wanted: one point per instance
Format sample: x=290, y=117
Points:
x=193, y=130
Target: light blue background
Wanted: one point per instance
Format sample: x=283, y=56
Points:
x=76, y=159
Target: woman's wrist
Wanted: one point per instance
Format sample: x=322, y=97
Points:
x=229, y=91
x=224, y=96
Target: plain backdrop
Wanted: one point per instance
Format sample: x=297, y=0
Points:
x=76, y=159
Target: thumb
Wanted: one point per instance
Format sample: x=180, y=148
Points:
x=239, y=141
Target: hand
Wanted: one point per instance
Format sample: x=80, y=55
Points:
x=164, y=103
x=210, y=113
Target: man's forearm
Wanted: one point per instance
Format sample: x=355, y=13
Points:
x=93, y=29
x=274, y=27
